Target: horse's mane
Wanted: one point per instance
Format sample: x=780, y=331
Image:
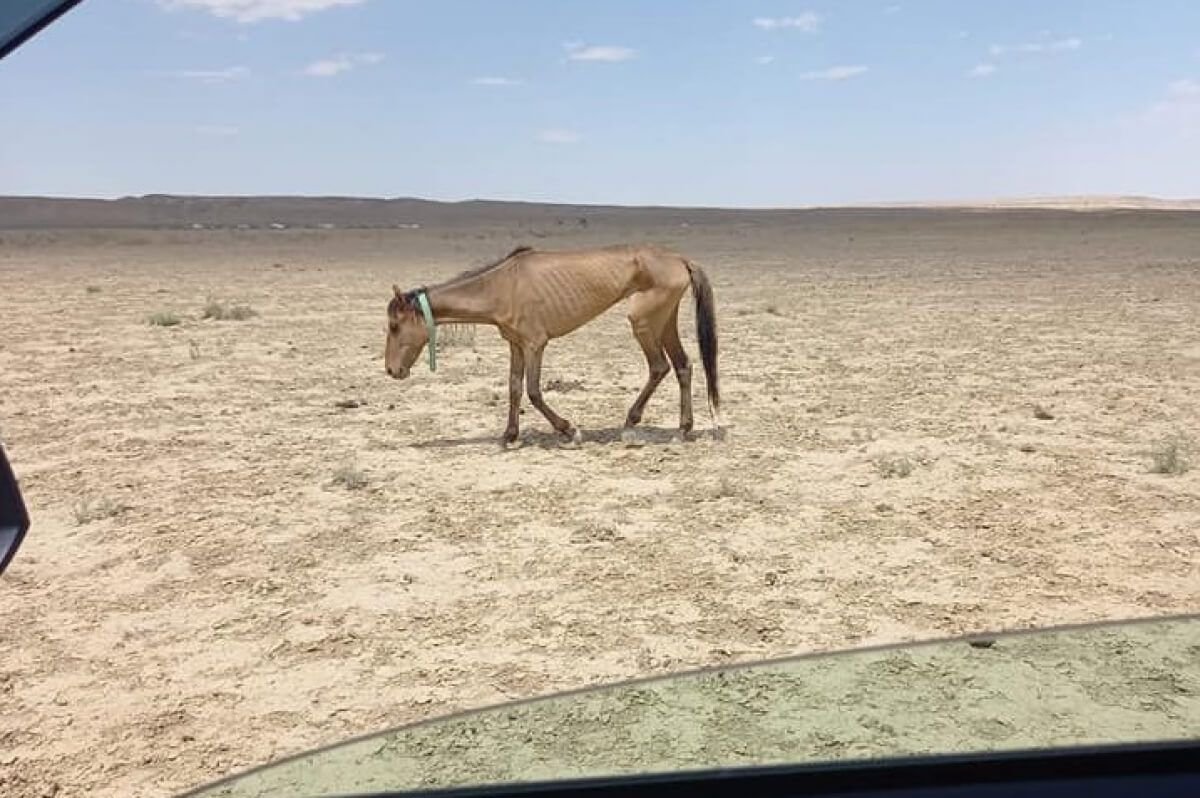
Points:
x=399, y=304
x=487, y=267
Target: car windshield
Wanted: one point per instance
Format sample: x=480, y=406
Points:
x=1091, y=685
x=368, y=361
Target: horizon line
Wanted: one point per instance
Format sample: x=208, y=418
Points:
x=1030, y=201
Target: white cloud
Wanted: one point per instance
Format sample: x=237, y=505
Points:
x=834, y=73
x=1182, y=103
x=1056, y=46
x=764, y=59
x=496, y=81
x=217, y=130
x=577, y=51
x=808, y=22
x=214, y=75
x=982, y=70
x=1184, y=89
x=258, y=10
x=557, y=136
x=1074, y=43
x=329, y=67
x=1176, y=115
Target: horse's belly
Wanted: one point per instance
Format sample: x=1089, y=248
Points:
x=570, y=304
x=563, y=320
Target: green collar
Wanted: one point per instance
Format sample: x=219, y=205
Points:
x=430, y=327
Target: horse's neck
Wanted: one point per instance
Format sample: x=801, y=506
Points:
x=470, y=301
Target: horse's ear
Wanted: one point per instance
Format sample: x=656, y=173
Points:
x=399, y=293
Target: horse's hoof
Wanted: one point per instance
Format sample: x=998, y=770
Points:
x=572, y=438
x=630, y=437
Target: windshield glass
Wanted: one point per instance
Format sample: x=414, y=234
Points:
x=367, y=361
x=1089, y=685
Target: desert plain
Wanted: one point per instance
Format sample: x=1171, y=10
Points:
x=248, y=540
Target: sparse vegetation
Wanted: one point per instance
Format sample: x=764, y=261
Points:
x=562, y=386
x=729, y=488
x=596, y=532
x=894, y=466
x=1042, y=414
x=219, y=311
x=350, y=476
x=89, y=509
x=92, y=289
x=1171, y=456
x=194, y=350
x=451, y=335
x=165, y=318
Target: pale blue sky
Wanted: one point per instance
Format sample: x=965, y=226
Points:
x=689, y=102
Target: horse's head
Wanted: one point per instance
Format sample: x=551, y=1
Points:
x=406, y=335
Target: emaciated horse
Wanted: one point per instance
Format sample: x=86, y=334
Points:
x=533, y=297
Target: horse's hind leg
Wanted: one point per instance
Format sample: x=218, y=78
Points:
x=648, y=321
x=683, y=370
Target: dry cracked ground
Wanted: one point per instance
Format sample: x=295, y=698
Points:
x=249, y=541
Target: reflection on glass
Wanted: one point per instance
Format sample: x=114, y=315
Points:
x=1087, y=685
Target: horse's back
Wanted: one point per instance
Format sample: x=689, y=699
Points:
x=571, y=287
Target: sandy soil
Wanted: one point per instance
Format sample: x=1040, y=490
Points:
x=939, y=423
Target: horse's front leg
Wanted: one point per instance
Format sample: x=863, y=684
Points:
x=533, y=385
x=516, y=384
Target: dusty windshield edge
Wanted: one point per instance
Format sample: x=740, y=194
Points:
x=983, y=638
x=21, y=23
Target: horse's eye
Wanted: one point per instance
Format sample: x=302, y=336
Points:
x=393, y=327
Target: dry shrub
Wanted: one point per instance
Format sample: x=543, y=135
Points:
x=89, y=509
x=219, y=311
x=350, y=476
x=165, y=318
x=1171, y=456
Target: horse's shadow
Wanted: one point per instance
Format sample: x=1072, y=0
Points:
x=645, y=436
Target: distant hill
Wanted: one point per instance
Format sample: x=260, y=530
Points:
x=170, y=211
x=1098, y=202
x=259, y=212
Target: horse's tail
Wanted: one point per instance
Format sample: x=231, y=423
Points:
x=706, y=331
